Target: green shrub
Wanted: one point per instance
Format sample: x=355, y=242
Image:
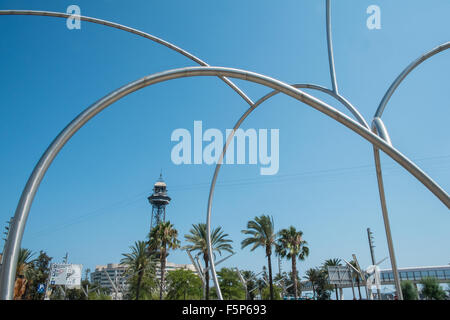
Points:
x=409, y=290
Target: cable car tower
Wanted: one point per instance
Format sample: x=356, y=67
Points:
x=159, y=200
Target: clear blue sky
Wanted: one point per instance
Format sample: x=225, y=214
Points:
x=92, y=202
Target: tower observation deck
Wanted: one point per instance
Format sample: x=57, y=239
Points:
x=159, y=200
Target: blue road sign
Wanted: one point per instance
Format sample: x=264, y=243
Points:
x=41, y=288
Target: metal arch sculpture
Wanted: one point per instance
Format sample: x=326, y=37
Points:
x=142, y=34
x=379, y=128
x=7, y=276
x=333, y=93
x=45, y=161
x=171, y=46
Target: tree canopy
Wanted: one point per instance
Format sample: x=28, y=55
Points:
x=183, y=284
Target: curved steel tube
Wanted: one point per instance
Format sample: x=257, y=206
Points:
x=131, y=30
x=404, y=73
x=330, y=48
x=336, y=96
x=379, y=128
x=12, y=249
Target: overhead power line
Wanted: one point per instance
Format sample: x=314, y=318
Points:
x=327, y=175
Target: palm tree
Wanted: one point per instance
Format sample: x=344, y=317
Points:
x=137, y=262
x=163, y=237
x=24, y=261
x=261, y=234
x=23, y=266
x=332, y=263
x=312, y=275
x=197, y=240
x=292, y=246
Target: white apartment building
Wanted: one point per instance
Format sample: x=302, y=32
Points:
x=116, y=272
x=170, y=266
